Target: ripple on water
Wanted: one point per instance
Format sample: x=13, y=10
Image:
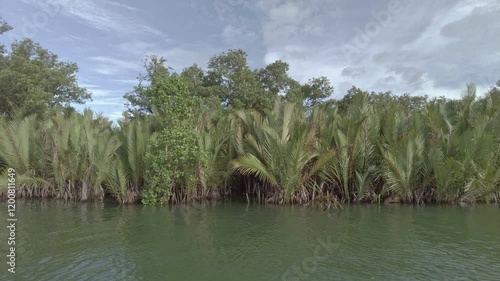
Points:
x=239, y=242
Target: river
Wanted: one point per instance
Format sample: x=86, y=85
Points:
x=236, y=241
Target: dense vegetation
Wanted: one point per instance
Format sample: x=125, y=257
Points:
x=229, y=130
x=33, y=80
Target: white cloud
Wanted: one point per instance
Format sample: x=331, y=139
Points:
x=289, y=20
x=238, y=36
x=425, y=49
x=431, y=47
x=126, y=81
x=97, y=15
x=88, y=86
x=124, y=6
x=178, y=56
x=117, y=101
x=112, y=66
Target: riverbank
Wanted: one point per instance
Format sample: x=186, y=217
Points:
x=360, y=150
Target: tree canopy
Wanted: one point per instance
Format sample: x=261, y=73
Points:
x=33, y=80
x=4, y=26
x=230, y=83
x=140, y=97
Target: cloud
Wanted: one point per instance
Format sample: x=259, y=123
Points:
x=112, y=66
x=101, y=93
x=126, y=81
x=429, y=47
x=353, y=71
x=178, y=56
x=100, y=16
x=291, y=21
x=116, y=101
x=88, y=86
x=124, y=6
x=238, y=36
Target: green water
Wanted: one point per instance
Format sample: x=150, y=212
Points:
x=233, y=241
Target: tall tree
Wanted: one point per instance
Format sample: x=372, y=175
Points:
x=174, y=156
x=32, y=80
x=316, y=90
x=496, y=88
x=198, y=86
x=230, y=77
x=274, y=78
x=194, y=76
x=139, y=99
x=4, y=27
x=311, y=93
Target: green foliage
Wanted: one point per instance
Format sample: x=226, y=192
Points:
x=279, y=149
x=170, y=93
x=274, y=78
x=217, y=140
x=126, y=176
x=33, y=80
x=4, y=26
x=231, y=84
x=447, y=151
x=172, y=161
x=174, y=158
x=403, y=164
x=311, y=93
x=140, y=98
x=353, y=137
x=209, y=133
x=235, y=83
x=65, y=156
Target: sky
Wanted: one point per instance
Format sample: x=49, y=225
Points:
x=406, y=46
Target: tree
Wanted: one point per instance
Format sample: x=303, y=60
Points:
x=170, y=93
x=194, y=76
x=174, y=155
x=412, y=103
x=274, y=78
x=197, y=84
x=316, y=90
x=311, y=93
x=495, y=89
x=4, y=26
x=140, y=98
x=382, y=100
x=33, y=80
x=231, y=79
x=346, y=101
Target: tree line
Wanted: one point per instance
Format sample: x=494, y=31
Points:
x=228, y=130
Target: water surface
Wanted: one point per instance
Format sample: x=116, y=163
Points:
x=236, y=241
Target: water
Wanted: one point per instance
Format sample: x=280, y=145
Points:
x=233, y=241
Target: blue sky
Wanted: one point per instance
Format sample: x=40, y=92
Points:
x=420, y=47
